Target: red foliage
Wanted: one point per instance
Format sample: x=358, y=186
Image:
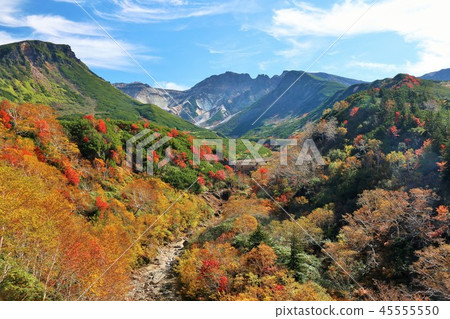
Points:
x=345, y=122
x=89, y=117
x=134, y=127
x=40, y=156
x=13, y=155
x=283, y=199
x=354, y=111
x=208, y=266
x=114, y=156
x=418, y=122
x=101, y=205
x=211, y=174
x=43, y=129
x=180, y=159
x=397, y=117
x=201, y=181
x=279, y=288
x=205, y=150
x=155, y=158
x=101, y=126
x=408, y=81
x=5, y=119
x=72, y=175
x=85, y=139
x=358, y=139
x=223, y=284
x=173, y=133
x=220, y=175
x=229, y=169
x=263, y=170
x=394, y=130
x=194, y=150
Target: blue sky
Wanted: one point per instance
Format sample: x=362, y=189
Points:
x=181, y=42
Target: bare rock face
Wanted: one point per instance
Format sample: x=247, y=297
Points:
x=158, y=280
x=211, y=101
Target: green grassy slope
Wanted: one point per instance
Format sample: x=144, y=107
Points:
x=50, y=74
x=306, y=95
x=289, y=127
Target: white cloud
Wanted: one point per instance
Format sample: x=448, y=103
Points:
x=139, y=11
x=7, y=38
x=296, y=49
x=423, y=22
x=60, y=26
x=374, y=66
x=229, y=49
x=89, y=43
x=174, y=86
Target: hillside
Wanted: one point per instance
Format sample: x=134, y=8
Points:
x=305, y=96
x=377, y=210
x=288, y=127
x=71, y=206
x=51, y=74
x=442, y=75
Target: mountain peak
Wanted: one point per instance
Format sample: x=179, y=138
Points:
x=36, y=52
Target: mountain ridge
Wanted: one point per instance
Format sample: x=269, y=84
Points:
x=210, y=100
x=441, y=75
x=41, y=72
x=217, y=98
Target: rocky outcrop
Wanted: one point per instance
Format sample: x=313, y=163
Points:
x=209, y=102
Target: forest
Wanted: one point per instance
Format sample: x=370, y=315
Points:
x=370, y=224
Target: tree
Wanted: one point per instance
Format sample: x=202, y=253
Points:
x=257, y=237
x=261, y=259
x=432, y=270
x=245, y=224
x=140, y=195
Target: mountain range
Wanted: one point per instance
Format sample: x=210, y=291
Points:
x=237, y=105
x=231, y=104
x=217, y=101
x=210, y=101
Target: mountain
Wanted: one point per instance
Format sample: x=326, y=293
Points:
x=208, y=102
x=290, y=126
x=442, y=75
x=217, y=99
x=304, y=96
x=336, y=78
x=51, y=74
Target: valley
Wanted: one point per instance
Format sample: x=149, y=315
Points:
x=72, y=209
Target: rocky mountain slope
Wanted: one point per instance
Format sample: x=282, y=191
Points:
x=208, y=102
x=306, y=95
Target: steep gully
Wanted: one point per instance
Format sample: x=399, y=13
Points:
x=158, y=279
